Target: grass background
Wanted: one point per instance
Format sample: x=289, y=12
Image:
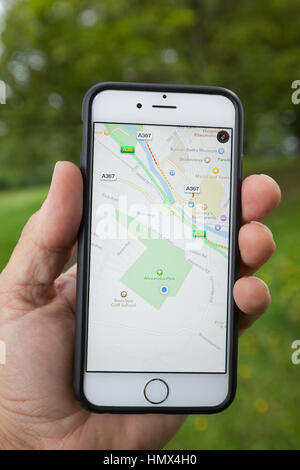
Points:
x=265, y=413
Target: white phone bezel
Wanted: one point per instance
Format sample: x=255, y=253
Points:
x=188, y=390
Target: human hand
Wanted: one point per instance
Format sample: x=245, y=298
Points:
x=38, y=409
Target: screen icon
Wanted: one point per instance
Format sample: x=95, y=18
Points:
x=223, y=137
x=164, y=290
x=141, y=135
x=199, y=233
x=192, y=188
x=108, y=176
x=127, y=149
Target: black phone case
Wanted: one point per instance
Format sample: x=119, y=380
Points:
x=83, y=247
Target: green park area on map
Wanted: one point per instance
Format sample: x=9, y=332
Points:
x=142, y=276
x=161, y=264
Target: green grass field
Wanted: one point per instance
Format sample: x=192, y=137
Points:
x=265, y=413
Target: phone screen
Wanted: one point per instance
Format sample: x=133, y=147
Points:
x=160, y=230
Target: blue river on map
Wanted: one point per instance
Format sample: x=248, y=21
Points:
x=133, y=130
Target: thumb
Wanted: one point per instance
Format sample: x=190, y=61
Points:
x=47, y=239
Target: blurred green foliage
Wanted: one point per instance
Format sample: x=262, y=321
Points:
x=53, y=51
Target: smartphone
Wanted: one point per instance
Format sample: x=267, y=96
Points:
x=156, y=323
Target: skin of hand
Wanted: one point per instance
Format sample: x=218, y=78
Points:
x=38, y=409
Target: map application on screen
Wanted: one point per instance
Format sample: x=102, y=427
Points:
x=158, y=275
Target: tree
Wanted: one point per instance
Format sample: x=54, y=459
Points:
x=53, y=51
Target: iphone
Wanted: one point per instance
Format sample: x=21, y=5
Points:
x=156, y=323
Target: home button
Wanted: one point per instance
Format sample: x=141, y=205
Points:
x=156, y=391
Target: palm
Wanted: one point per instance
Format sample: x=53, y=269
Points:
x=44, y=339
x=37, y=303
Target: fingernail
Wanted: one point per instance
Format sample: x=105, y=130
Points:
x=57, y=164
x=259, y=279
x=56, y=167
x=268, y=177
x=263, y=282
x=264, y=226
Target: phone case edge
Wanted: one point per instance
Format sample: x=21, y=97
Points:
x=80, y=327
